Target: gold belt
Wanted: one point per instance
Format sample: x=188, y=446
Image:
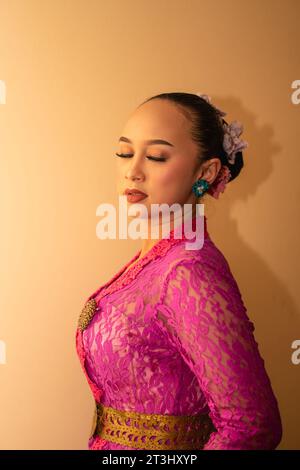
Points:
x=152, y=431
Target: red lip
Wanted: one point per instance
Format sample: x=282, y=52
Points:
x=133, y=191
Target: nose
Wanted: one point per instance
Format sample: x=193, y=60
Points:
x=134, y=178
x=134, y=173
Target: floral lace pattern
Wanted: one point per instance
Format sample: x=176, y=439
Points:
x=172, y=336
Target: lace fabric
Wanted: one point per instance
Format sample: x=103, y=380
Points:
x=171, y=335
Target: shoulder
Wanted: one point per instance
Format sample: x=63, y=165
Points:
x=207, y=262
x=201, y=275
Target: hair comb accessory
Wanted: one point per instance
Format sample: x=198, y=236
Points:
x=208, y=99
x=232, y=143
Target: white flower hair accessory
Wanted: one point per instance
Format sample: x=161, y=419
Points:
x=232, y=143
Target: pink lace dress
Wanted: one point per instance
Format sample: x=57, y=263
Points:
x=171, y=335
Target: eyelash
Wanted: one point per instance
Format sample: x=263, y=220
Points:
x=128, y=155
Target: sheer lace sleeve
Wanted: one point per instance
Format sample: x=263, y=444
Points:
x=202, y=313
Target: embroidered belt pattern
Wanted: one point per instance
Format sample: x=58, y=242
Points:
x=152, y=431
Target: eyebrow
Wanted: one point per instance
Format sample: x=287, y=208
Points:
x=148, y=142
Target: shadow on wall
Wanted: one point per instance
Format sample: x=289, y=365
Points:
x=267, y=299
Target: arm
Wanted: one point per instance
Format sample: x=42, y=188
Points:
x=203, y=315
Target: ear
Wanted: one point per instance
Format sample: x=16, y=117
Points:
x=210, y=170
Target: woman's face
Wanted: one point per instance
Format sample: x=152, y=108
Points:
x=169, y=181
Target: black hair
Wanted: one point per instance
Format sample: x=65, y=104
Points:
x=207, y=129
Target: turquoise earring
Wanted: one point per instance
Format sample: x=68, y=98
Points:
x=200, y=186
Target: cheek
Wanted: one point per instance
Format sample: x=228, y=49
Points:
x=169, y=185
x=175, y=177
x=169, y=176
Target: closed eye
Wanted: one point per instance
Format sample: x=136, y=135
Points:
x=128, y=155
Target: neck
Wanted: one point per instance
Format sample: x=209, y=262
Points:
x=163, y=227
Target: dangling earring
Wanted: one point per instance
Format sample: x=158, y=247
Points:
x=200, y=186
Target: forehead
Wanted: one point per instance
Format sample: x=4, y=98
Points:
x=158, y=119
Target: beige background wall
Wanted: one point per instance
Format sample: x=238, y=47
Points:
x=73, y=71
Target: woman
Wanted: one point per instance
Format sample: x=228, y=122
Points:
x=166, y=344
